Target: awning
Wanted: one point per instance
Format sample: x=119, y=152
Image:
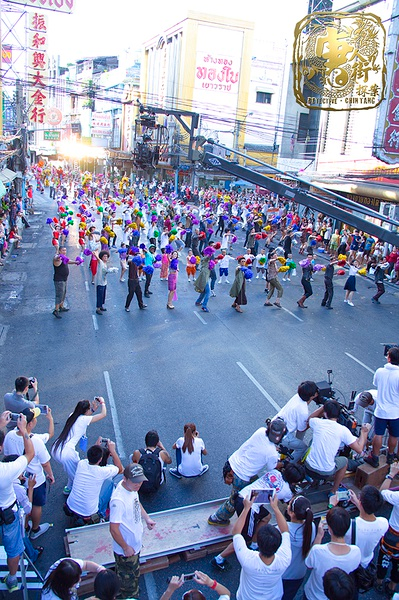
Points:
x=7, y=176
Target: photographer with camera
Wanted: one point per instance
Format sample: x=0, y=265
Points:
x=11, y=531
x=84, y=500
x=19, y=399
x=199, y=577
x=296, y=416
x=328, y=435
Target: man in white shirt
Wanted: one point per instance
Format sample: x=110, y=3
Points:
x=39, y=465
x=390, y=541
x=258, y=452
x=126, y=529
x=89, y=478
x=386, y=380
x=296, y=416
x=10, y=528
x=261, y=571
x=328, y=435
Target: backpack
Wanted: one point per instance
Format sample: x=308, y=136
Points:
x=152, y=470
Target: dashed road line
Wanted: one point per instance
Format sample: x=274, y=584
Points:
x=359, y=362
x=114, y=415
x=200, y=318
x=260, y=388
x=95, y=322
x=292, y=314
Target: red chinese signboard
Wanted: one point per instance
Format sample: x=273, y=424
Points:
x=37, y=63
x=65, y=6
x=391, y=136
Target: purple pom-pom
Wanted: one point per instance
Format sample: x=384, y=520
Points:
x=211, y=264
x=154, y=218
x=158, y=257
x=79, y=260
x=225, y=217
x=142, y=246
x=64, y=259
x=234, y=239
x=195, y=221
x=208, y=251
x=134, y=249
x=304, y=263
x=65, y=232
x=248, y=274
x=48, y=221
x=157, y=265
x=148, y=269
x=193, y=260
x=137, y=260
x=183, y=232
x=168, y=249
x=312, y=242
x=87, y=252
x=128, y=222
x=210, y=231
x=174, y=263
x=317, y=267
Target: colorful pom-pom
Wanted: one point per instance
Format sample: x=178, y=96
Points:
x=197, y=260
x=208, y=251
x=168, y=249
x=48, y=221
x=211, y=264
x=137, y=260
x=174, y=264
x=304, y=263
x=341, y=272
x=193, y=260
x=248, y=274
x=342, y=257
x=362, y=271
x=79, y=260
x=87, y=252
x=283, y=269
x=148, y=269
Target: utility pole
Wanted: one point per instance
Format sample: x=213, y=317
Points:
x=21, y=126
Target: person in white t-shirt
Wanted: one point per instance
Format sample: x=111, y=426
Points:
x=224, y=266
x=328, y=435
x=89, y=478
x=389, y=547
x=189, y=452
x=336, y=553
x=63, y=577
x=261, y=571
x=199, y=577
x=39, y=466
x=126, y=527
x=386, y=380
x=75, y=428
x=257, y=453
x=296, y=416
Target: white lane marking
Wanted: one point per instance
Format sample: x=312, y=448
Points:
x=87, y=286
x=151, y=587
x=95, y=323
x=292, y=314
x=115, y=419
x=200, y=318
x=260, y=388
x=360, y=362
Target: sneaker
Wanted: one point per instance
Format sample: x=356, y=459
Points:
x=223, y=566
x=213, y=294
x=11, y=583
x=127, y=309
x=257, y=277
x=63, y=309
x=57, y=314
x=66, y=491
x=214, y=520
x=375, y=301
x=227, y=281
x=350, y=303
x=288, y=279
x=122, y=280
x=42, y=529
x=205, y=468
x=103, y=309
x=345, y=300
x=205, y=309
x=99, y=311
x=143, y=306
x=372, y=460
x=175, y=473
x=220, y=281
x=390, y=458
x=198, y=303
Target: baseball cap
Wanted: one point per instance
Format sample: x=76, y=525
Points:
x=134, y=473
x=277, y=430
x=31, y=413
x=364, y=399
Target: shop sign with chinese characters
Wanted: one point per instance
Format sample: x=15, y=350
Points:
x=339, y=61
x=63, y=6
x=37, y=68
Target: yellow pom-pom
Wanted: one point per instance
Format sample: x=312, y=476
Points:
x=171, y=238
x=112, y=234
x=107, y=228
x=198, y=259
x=323, y=269
x=133, y=225
x=341, y=256
x=142, y=225
x=283, y=269
x=282, y=260
x=119, y=221
x=103, y=240
x=136, y=210
x=362, y=271
x=267, y=228
x=118, y=202
x=82, y=225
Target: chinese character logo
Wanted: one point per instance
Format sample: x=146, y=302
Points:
x=339, y=61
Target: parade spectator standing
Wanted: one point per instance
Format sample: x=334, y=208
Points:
x=386, y=380
x=261, y=571
x=11, y=533
x=18, y=400
x=126, y=529
x=61, y=274
x=39, y=465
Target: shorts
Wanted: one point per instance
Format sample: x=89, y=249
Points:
x=39, y=495
x=60, y=291
x=223, y=271
x=340, y=462
x=12, y=538
x=380, y=425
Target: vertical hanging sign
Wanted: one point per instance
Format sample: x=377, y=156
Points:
x=37, y=68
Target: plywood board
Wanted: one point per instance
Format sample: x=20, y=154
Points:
x=176, y=530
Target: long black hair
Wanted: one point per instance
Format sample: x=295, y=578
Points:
x=61, y=579
x=80, y=409
x=302, y=510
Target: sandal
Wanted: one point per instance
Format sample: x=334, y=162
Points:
x=169, y=306
x=268, y=304
x=277, y=304
x=238, y=309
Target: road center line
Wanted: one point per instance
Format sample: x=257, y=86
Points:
x=360, y=362
x=87, y=286
x=200, y=318
x=260, y=388
x=151, y=587
x=292, y=314
x=115, y=419
x=95, y=322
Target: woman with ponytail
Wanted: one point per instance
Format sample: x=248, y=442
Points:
x=75, y=428
x=302, y=532
x=189, y=451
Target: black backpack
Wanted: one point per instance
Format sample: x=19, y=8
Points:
x=152, y=470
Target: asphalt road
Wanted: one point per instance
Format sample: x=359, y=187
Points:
x=225, y=371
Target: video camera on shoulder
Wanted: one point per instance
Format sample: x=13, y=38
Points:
x=387, y=348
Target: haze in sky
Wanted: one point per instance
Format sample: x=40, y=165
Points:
x=102, y=27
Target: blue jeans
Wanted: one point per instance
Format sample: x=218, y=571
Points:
x=204, y=296
x=227, y=510
x=101, y=290
x=213, y=278
x=30, y=551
